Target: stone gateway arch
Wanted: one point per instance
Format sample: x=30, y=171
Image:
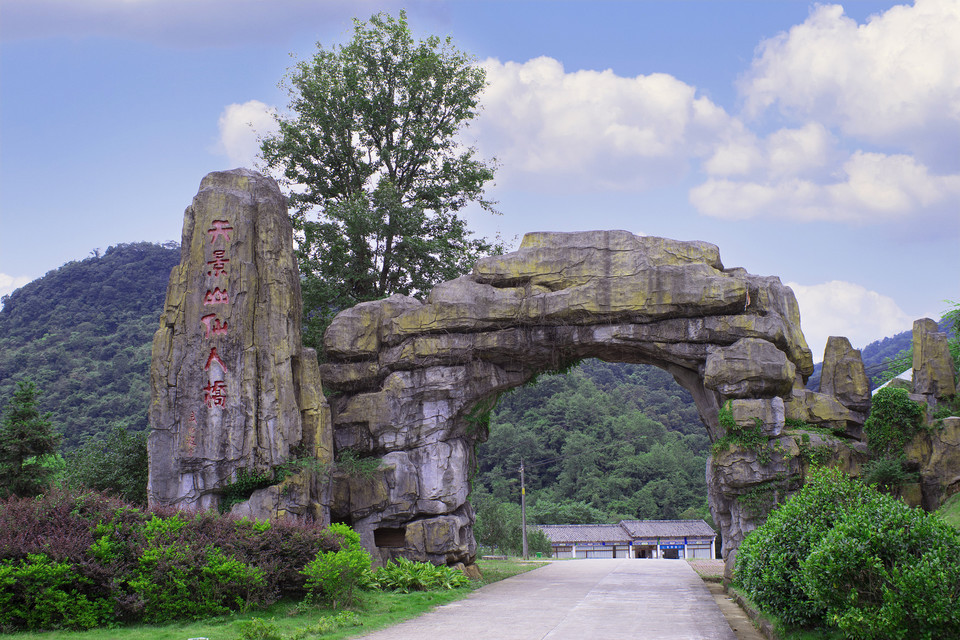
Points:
x=408, y=382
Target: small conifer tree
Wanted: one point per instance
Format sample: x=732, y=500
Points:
x=27, y=439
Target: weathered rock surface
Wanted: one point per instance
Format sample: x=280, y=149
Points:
x=412, y=379
x=231, y=386
x=935, y=453
x=843, y=375
x=933, y=373
x=742, y=488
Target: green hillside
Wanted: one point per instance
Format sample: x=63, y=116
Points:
x=83, y=333
x=602, y=442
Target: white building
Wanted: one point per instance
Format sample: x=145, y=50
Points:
x=632, y=539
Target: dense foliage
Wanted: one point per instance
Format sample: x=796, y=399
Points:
x=333, y=577
x=406, y=575
x=80, y=561
x=377, y=172
x=893, y=421
x=499, y=526
x=27, y=440
x=841, y=554
x=83, y=334
x=115, y=463
x=600, y=443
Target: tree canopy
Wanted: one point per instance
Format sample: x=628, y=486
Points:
x=375, y=170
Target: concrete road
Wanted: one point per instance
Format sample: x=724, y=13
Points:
x=579, y=600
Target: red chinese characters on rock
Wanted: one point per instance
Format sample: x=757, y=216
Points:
x=218, y=266
x=213, y=325
x=214, y=358
x=219, y=228
x=217, y=296
x=215, y=392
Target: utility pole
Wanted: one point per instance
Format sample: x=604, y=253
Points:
x=523, y=510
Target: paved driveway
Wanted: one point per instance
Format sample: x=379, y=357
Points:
x=579, y=600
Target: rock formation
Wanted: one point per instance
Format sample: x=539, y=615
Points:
x=843, y=375
x=933, y=373
x=234, y=395
x=935, y=453
x=413, y=380
x=238, y=417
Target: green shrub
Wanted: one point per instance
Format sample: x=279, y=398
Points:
x=405, y=576
x=334, y=576
x=894, y=419
x=887, y=571
x=174, y=582
x=887, y=474
x=258, y=629
x=92, y=560
x=768, y=560
x=40, y=593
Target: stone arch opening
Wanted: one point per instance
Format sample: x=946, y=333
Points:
x=623, y=441
x=409, y=378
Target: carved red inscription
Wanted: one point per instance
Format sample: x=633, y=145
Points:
x=213, y=325
x=217, y=296
x=214, y=358
x=220, y=228
x=218, y=266
x=215, y=394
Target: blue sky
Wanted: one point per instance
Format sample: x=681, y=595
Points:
x=818, y=143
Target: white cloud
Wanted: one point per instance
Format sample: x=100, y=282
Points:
x=867, y=188
x=593, y=129
x=9, y=283
x=784, y=153
x=847, y=309
x=241, y=127
x=892, y=81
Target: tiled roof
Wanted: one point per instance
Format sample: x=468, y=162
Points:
x=585, y=533
x=666, y=528
x=625, y=531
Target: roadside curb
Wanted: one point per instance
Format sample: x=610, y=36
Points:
x=762, y=624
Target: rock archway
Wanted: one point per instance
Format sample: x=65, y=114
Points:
x=408, y=381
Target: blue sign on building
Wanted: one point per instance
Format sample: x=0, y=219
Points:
x=671, y=546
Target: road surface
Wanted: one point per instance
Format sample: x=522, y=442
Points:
x=579, y=600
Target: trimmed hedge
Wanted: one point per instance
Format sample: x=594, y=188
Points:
x=81, y=561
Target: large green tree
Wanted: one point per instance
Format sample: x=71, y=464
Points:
x=27, y=440
x=375, y=170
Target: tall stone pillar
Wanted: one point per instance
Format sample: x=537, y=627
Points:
x=933, y=373
x=234, y=395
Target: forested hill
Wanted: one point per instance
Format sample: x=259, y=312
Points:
x=83, y=334
x=599, y=443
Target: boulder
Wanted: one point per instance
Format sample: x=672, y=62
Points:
x=935, y=453
x=843, y=376
x=748, y=368
x=933, y=372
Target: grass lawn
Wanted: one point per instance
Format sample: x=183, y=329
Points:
x=374, y=610
x=950, y=511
